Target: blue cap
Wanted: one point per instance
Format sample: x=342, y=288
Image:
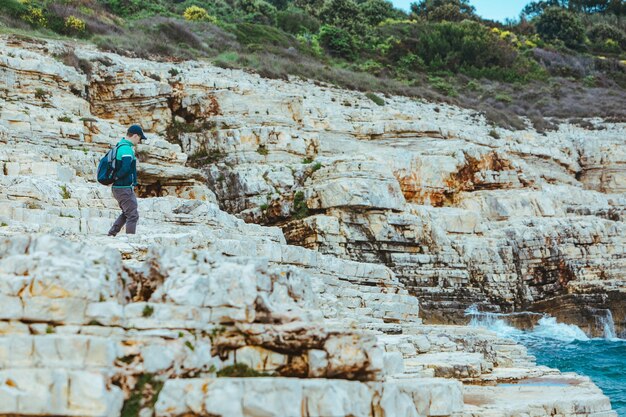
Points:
x=136, y=130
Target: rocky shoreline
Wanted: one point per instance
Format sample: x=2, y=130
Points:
x=365, y=215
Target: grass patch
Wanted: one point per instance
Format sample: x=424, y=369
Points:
x=65, y=193
x=504, y=98
x=250, y=34
x=494, y=134
x=443, y=86
x=41, y=94
x=262, y=150
x=375, y=99
x=143, y=395
x=202, y=157
x=189, y=345
x=147, y=311
x=65, y=119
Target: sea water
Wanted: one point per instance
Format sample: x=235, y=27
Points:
x=567, y=348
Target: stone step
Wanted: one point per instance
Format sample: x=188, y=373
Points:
x=458, y=365
x=282, y=397
x=58, y=392
x=561, y=395
x=56, y=351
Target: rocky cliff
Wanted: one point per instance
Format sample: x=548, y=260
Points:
x=364, y=209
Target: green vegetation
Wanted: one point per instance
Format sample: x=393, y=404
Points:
x=147, y=311
x=439, y=50
x=143, y=395
x=189, y=345
x=65, y=119
x=65, y=193
x=41, y=94
x=375, y=99
x=240, y=370
x=4, y=224
x=300, y=209
x=202, y=157
x=262, y=150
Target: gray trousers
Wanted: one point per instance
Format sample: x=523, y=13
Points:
x=128, y=203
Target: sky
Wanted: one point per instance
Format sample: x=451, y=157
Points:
x=488, y=9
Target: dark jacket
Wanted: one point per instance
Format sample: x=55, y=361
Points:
x=126, y=173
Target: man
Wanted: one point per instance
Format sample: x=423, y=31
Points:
x=125, y=180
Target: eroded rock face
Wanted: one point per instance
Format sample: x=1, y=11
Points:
x=204, y=314
x=521, y=222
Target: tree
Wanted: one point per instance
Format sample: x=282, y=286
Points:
x=440, y=10
x=258, y=11
x=375, y=11
x=343, y=14
x=617, y=7
x=296, y=21
x=560, y=24
x=535, y=8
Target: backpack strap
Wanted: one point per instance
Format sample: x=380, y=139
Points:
x=117, y=147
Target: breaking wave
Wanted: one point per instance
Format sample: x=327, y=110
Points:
x=567, y=348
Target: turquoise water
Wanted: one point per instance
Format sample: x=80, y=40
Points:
x=567, y=348
x=604, y=361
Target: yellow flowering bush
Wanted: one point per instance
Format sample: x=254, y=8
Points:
x=35, y=17
x=391, y=21
x=507, y=36
x=196, y=13
x=74, y=24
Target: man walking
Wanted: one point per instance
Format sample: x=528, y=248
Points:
x=125, y=180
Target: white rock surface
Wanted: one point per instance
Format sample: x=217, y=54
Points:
x=89, y=322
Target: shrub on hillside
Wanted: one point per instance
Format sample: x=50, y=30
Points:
x=344, y=14
x=448, y=45
x=74, y=25
x=565, y=65
x=13, y=8
x=258, y=11
x=296, y=21
x=35, y=16
x=337, y=41
x=135, y=8
x=198, y=14
x=66, y=19
x=556, y=24
x=376, y=11
x=601, y=33
x=444, y=10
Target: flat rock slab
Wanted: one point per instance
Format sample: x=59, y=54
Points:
x=562, y=395
x=280, y=397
